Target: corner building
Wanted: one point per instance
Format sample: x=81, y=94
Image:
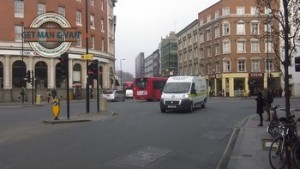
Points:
x=230, y=47
x=17, y=56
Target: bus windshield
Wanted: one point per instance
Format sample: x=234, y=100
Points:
x=182, y=87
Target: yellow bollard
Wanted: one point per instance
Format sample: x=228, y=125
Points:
x=55, y=108
x=38, y=99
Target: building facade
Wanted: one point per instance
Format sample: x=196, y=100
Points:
x=152, y=64
x=229, y=47
x=168, y=57
x=96, y=26
x=140, y=65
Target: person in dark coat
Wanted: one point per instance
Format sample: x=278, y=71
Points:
x=260, y=107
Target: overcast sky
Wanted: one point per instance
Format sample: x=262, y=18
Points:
x=142, y=23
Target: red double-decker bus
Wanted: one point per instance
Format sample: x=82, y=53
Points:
x=148, y=88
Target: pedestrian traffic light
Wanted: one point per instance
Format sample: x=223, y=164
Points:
x=63, y=60
x=92, y=70
x=297, y=64
x=28, y=76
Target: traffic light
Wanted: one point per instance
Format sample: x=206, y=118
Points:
x=63, y=60
x=297, y=64
x=92, y=70
x=28, y=76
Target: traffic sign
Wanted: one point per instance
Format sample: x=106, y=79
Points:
x=87, y=57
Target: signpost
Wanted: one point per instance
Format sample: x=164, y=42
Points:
x=87, y=57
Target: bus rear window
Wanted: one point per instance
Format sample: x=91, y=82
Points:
x=141, y=83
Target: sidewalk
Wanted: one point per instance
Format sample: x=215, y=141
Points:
x=251, y=146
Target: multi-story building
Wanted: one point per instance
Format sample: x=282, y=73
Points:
x=93, y=19
x=234, y=54
x=168, y=57
x=152, y=64
x=140, y=65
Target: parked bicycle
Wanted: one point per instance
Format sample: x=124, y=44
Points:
x=274, y=127
x=281, y=146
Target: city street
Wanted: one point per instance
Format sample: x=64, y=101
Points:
x=138, y=136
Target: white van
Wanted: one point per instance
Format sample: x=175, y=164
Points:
x=183, y=93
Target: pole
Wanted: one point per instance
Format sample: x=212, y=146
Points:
x=68, y=88
x=32, y=86
x=121, y=85
x=87, y=62
x=98, y=99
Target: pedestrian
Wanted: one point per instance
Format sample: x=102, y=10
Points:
x=22, y=93
x=54, y=93
x=48, y=95
x=260, y=102
x=268, y=97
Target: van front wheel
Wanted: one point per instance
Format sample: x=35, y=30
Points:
x=191, y=107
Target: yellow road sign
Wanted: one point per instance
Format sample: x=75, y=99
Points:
x=87, y=57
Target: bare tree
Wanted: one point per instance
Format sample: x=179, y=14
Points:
x=285, y=18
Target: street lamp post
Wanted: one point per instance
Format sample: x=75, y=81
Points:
x=121, y=73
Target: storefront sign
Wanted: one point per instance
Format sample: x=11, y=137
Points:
x=256, y=75
x=50, y=35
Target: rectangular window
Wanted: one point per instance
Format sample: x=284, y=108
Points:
x=92, y=21
x=102, y=25
x=226, y=66
x=92, y=42
x=254, y=10
x=19, y=8
x=217, y=49
x=241, y=47
x=240, y=29
x=254, y=28
x=92, y=2
x=269, y=65
x=41, y=8
x=61, y=10
x=102, y=45
x=226, y=11
x=78, y=18
x=208, y=34
x=255, y=66
x=240, y=10
x=217, y=32
x=226, y=29
x=208, y=51
x=102, y=5
x=201, y=37
x=18, y=33
x=79, y=41
x=269, y=47
x=226, y=47
x=241, y=66
x=216, y=14
x=208, y=19
x=255, y=47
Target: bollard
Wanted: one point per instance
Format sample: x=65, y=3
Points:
x=38, y=99
x=103, y=104
x=55, y=108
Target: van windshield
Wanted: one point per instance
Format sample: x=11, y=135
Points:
x=181, y=87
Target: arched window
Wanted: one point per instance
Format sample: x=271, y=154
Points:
x=18, y=74
x=41, y=74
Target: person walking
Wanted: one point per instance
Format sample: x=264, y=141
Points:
x=22, y=93
x=48, y=95
x=54, y=94
x=268, y=97
x=260, y=102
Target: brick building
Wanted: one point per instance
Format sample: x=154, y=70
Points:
x=229, y=46
x=17, y=56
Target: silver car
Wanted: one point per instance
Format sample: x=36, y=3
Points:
x=114, y=95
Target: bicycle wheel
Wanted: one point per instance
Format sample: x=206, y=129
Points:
x=272, y=127
x=296, y=154
x=277, y=153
